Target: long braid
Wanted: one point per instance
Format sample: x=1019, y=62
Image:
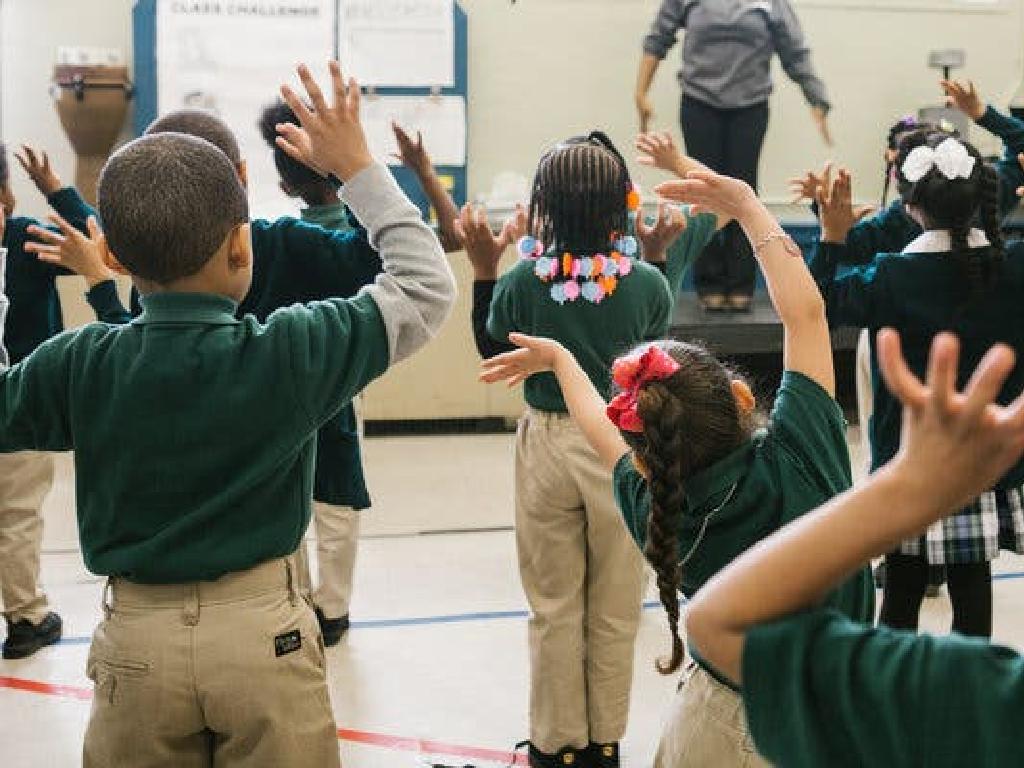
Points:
x=664, y=456
x=991, y=220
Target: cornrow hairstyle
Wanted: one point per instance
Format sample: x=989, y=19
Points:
x=579, y=195
x=690, y=421
x=957, y=205
x=5, y=170
x=296, y=175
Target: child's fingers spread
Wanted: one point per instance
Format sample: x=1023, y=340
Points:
x=289, y=149
x=900, y=380
x=94, y=227
x=942, y=366
x=316, y=96
x=62, y=225
x=988, y=378
x=673, y=190
x=45, y=235
x=337, y=81
x=298, y=106
x=354, y=98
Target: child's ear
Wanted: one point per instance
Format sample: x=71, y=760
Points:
x=243, y=173
x=109, y=259
x=745, y=400
x=240, y=248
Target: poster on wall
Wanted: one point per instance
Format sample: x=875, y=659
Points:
x=231, y=56
x=398, y=43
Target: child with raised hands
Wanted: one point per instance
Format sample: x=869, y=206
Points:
x=580, y=280
x=194, y=437
x=696, y=481
x=956, y=276
x=821, y=689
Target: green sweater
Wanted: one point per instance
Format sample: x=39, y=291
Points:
x=796, y=465
x=821, y=690
x=194, y=431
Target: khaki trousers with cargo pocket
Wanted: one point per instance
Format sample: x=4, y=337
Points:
x=25, y=480
x=337, y=544
x=210, y=674
x=583, y=577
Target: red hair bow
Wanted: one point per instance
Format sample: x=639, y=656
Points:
x=630, y=374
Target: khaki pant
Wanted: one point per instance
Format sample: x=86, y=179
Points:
x=582, y=574
x=221, y=673
x=707, y=727
x=337, y=541
x=25, y=480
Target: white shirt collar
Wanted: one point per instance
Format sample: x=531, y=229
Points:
x=939, y=241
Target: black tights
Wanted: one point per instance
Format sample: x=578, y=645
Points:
x=970, y=591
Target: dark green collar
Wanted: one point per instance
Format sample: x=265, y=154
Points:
x=707, y=486
x=191, y=308
x=332, y=216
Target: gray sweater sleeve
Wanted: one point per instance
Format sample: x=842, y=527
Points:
x=416, y=290
x=796, y=55
x=4, y=360
x=670, y=19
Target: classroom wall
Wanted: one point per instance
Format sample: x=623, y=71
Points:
x=544, y=69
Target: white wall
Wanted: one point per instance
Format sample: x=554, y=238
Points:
x=543, y=69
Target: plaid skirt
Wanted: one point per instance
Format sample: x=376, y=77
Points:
x=993, y=522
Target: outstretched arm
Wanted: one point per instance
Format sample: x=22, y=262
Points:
x=955, y=445
x=586, y=406
x=659, y=150
x=807, y=344
x=415, y=157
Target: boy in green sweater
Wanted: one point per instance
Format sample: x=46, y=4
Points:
x=194, y=485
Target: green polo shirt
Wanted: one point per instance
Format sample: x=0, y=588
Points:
x=639, y=310
x=921, y=295
x=193, y=431
x=821, y=690
x=794, y=466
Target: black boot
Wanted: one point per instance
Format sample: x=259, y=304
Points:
x=566, y=756
x=25, y=638
x=603, y=755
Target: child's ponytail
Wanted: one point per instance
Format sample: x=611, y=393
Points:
x=663, y=455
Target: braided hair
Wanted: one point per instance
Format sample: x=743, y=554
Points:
x=304, y=181
x=579, y=195
x=690, y=421
x=958, y=205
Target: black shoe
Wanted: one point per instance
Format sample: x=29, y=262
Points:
x=565, y=756
x=332, y=629
x=25, y=638
x=602, y=755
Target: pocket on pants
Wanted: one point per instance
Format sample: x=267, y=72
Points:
x=112, y=678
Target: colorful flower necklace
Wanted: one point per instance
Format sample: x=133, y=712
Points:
x=594, y=277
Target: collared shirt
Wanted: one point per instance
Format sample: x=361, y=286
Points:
x=794, y=466
x=193, y=431
x=334, y=216
x=821, y=690
x=728, y=49
x=921, y=293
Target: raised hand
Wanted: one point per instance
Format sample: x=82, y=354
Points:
x=412, y=154
x=963, y=96
x=806, y=187
x=71, y=249
x=37, y=165
x=956, y=445
x=710, y=191
x=535, y=355
x=483, y=247
x=659, y=150
x=330, y=137
x=835, y=207
x=655, y=239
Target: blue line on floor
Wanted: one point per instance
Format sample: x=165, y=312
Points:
x=464, y=618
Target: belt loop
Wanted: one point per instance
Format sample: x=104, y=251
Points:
x=108, y=606
x=293, y=580
x=190, y=610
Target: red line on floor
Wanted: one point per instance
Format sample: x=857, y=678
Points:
x=395, y=743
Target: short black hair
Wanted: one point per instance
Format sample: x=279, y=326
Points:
x=201, y=123
x=293, y=173
x=168, y=201
x=5, y=170
x=579, y=198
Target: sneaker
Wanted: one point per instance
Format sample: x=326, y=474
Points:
x=332, y=629
x=603, y=755
x=565, y=756
x=25, y=638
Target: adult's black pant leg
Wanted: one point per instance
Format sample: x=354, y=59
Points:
x=906, y=578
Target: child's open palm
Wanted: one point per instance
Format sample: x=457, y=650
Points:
x=956, y=444
x=330, y=138
x=965, y=97
x=412, y=154
x=483, y=247
x=659, y=150
x=658, y=237
x=71, y=249
x=37, y=165
x=711, y=192
x=535, y=355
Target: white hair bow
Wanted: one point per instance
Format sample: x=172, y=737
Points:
x=950, y=157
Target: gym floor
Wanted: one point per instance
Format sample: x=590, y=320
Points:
x=434, y=670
